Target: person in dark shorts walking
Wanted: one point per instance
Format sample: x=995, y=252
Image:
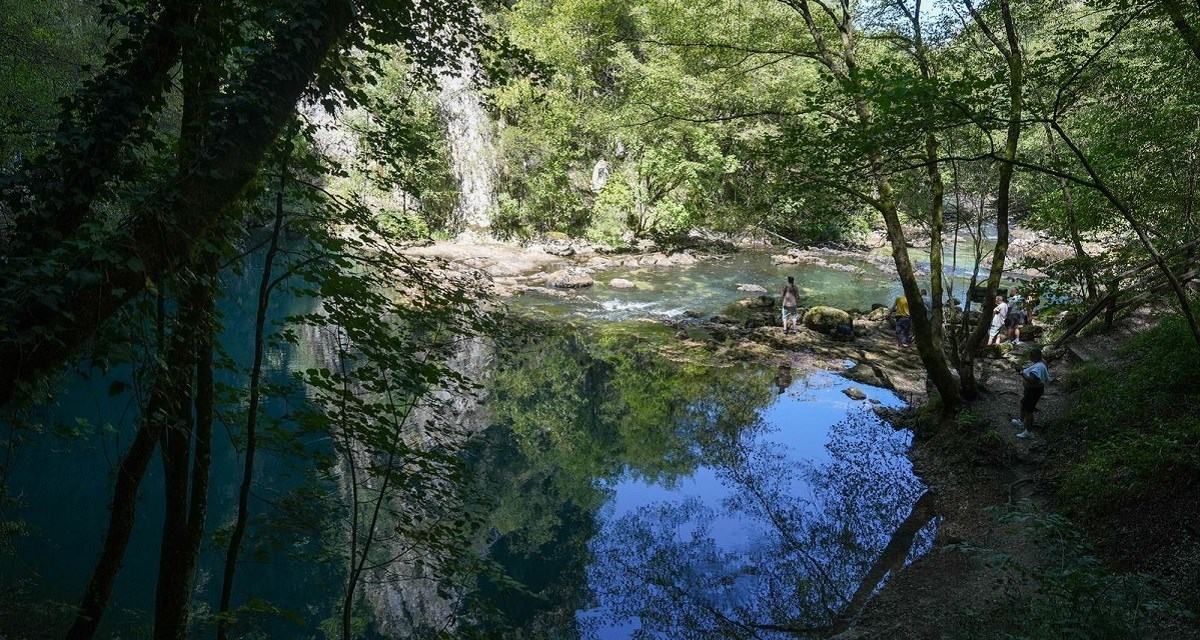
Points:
x=790, y=299
x=903, y=321
x=1035, y=377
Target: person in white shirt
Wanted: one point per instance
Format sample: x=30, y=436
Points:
x=1035, y=377
x=999, y=316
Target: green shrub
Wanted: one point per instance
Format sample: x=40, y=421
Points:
x=1137, y=420
x=1069, y=594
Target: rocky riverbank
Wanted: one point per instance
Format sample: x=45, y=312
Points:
x=858, y=343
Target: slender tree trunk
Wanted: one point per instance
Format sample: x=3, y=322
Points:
x=186, y=469
x=937, y=187
x=164, y=392
x=1085, y=262
x=937, y=227
x=260, y=322
x=1185, y=305
x=187, y=494
x=122, y=515
x=843, y=66
x=1011, y=51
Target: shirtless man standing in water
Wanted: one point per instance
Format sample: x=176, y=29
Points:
x=790, y=299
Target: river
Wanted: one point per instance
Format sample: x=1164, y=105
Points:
x=629, y=487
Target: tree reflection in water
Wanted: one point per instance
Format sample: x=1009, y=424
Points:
x=818, y=540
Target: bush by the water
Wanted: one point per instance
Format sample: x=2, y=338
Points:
x=1137, y=423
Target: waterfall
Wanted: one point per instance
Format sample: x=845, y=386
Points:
x=472, y=149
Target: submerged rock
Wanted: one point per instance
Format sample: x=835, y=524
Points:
x=761, y=302
x=869, y=374
x=621, y=283
x=751, y=288
x=825, y=319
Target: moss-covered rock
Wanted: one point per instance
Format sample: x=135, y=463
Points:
x=997, y=350
x=825, y=319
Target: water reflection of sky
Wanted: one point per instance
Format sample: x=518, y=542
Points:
x=796, y=426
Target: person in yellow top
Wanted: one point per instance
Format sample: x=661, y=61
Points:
x=903, y=321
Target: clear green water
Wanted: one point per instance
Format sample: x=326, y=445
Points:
x=711, y=284
x=631, y=489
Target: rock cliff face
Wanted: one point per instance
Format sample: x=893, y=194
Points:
x=404, y=594
x=472, y=148
x=405, y=597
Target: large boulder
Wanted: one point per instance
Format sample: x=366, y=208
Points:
x=569, y=279
x=878, y=314
x=621, y=283
x=826, y=319
x=683, y=260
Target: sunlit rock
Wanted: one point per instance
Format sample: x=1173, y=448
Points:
x=569, y=279
x=825, y=319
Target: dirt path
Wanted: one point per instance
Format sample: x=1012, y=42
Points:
x=925, y=599
x=930, y=597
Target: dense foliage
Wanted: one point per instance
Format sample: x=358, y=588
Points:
x=157, y=154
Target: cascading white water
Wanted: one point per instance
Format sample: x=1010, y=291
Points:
x=471, y=145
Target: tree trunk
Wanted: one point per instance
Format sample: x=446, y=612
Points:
x=249, y=120
x=163, y=395
x=260, y=323
x=1015, y=62
x=1185, y=305
x=1085, y=262
x=843, y=67
x=187, y=499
